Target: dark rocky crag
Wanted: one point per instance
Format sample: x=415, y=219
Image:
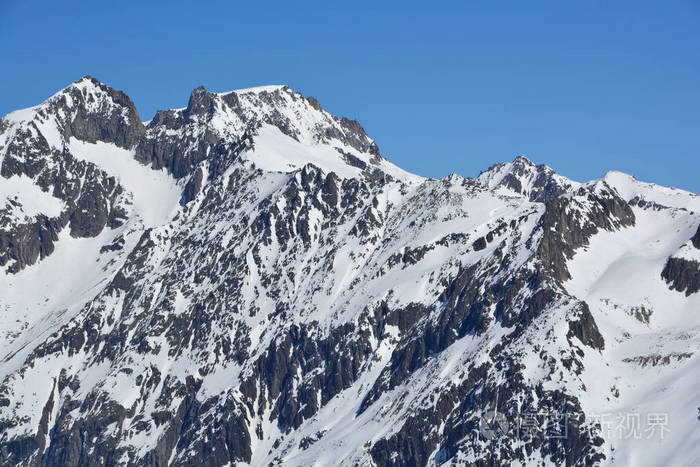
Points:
x=683, y=274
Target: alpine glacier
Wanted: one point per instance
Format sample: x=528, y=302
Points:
x=248, y=281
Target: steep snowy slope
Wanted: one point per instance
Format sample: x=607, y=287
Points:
x=247, y=280
x=652, y=332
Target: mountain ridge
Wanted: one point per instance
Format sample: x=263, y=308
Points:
x=519, y=162
x=250, y=281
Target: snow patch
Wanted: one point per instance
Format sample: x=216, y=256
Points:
x=274, y=151
x=155, y=193
x=26, y=200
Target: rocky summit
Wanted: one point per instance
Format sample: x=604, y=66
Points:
x=248, y=280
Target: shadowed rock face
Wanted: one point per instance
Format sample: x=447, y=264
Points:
x=278, y=314
x=27, y=243
x=682, y=275
x=566, y=227
x=107, y=115
x=91, y=198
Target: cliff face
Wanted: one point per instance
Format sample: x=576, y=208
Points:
x=249, y=280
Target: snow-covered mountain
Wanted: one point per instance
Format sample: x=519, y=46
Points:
x=248, y=281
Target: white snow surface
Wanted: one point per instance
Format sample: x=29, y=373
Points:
x=31, y=199
x=629, y=187
x=619, y=275
x=275, y=151
x=155, y=194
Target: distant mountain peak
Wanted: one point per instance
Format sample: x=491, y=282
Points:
x=520, y=159
x=522, y=177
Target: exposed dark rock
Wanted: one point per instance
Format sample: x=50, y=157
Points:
x=25, y=244
x=314, y=103
x=566, y=229
x=585, y=329
x=353, y=160
x=682, y=275
x=658, y=360
x=479, y=244
x=114, y=120
x=695, y=240
x=193, y=187
x=201, y=103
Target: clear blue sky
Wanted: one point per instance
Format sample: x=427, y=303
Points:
x=583, y=86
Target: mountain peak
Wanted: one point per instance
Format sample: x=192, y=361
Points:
x=520, y=159
x=202, y=101
x=88, y=110
x=523, y=178
x=231, y=116
x=89, y=79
